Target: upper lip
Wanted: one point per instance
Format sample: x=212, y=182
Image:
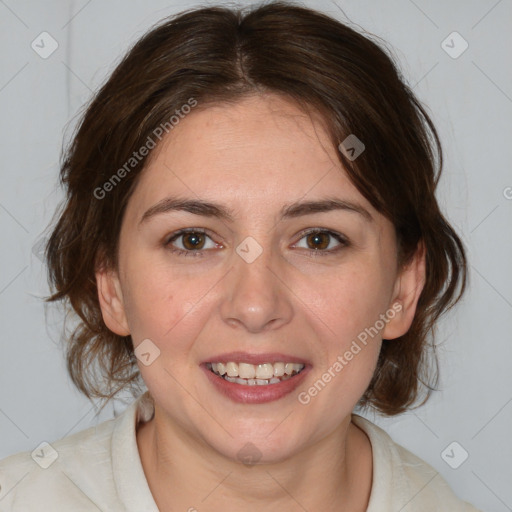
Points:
x=246, y=357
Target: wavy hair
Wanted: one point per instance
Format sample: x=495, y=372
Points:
x=218, y=54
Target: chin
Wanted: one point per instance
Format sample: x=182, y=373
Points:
x=270, y=444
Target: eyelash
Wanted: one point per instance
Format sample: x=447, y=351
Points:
x=313, y=252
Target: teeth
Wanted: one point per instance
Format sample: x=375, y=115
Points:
x=255, y=382
x=278, y=369
x=256, y=375
x=246, y=371
x=264, y=371
x=232, y=369
x=288, y=368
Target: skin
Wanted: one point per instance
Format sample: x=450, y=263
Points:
x=254, y=157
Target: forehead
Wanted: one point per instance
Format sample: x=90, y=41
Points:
x=261, y=149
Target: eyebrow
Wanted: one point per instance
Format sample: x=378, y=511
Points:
x=210, y=209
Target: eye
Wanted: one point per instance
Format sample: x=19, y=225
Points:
x=195, y=241
x=190, y=242
x=322, y=241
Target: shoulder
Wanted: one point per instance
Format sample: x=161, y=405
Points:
x=53, y=474
x=403, y=481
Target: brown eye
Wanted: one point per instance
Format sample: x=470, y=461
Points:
x=322, y=242
x=318, y=240
x=193, y=240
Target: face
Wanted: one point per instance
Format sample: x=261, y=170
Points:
x=282, y=261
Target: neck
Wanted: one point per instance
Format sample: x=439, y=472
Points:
x=185, y=473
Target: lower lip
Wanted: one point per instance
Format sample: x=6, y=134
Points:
x=256, y=394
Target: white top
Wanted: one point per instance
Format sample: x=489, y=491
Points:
x=100, y=469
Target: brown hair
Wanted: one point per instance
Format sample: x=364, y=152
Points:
x=217, y=54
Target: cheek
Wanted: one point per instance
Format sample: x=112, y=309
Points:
x=162, y=303
x=344, y=310
x=345, y=304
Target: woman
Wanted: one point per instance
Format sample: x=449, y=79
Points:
x=250, y=231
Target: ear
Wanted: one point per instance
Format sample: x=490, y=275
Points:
x=408, y=287
x=111, y=301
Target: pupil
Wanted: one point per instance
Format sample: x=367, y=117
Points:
x=193, y=240
x=319, y=240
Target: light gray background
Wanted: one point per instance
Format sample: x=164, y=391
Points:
x=470, y=99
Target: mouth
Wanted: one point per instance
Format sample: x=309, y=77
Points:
x=248, y=374
x=255, y=378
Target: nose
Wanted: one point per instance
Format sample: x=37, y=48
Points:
x=256, y=296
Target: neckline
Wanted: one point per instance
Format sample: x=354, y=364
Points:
x=130, y=480
x=133, y=489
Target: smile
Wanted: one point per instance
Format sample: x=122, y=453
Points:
x=255, y=374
